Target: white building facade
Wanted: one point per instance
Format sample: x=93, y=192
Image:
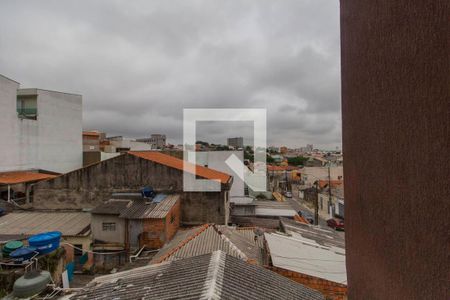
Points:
x=217, y=160
x=39, y=129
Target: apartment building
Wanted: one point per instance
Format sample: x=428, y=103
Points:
x=41, y=129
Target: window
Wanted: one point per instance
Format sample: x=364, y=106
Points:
x=109, y=226
x=27, y=107
x=172, y=219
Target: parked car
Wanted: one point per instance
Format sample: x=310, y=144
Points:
x=337, y=224
x=288, y=194
x=307, y=215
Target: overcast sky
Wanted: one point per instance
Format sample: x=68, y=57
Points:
x=139, y=63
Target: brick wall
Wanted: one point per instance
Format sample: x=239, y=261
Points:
x=331, y=290
x=156, y=232
x=172, y=221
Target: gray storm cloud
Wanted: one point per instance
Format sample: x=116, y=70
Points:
x=139, y=63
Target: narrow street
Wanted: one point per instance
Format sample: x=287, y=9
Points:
x=297, y=204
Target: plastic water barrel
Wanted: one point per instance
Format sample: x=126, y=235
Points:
x=11, y=246
x=147, y=192
x=22, y=254
x=45, y=242
x=31, y=284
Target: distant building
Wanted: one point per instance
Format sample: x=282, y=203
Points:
x=40, y=129
x=136, y=223
x=236, y=142
x=123, y=144
x=309, y=175
x=157, y=141
x=91, y=147
x=337, y=201
x=93, y=185
x=217, y=160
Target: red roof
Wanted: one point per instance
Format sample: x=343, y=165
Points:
x=22, y=177
x=177, y=163
x=281, y=168
x=334, y=183
x=91, y=133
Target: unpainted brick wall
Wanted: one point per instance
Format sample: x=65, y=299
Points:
x=331, y=290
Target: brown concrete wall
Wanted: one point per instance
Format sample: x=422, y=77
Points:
x=91, y=157
x=90, y=186
x=331, y=290
x=396, y=132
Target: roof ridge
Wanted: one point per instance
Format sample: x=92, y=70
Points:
x=232, y=245
x=214, y=277
x=201, y=229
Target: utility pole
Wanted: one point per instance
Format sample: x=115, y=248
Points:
x=329, y=190
x=316, y=203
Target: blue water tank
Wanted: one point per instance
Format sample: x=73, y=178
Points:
x=148, y=192
x=23, y=254
x=45, y=242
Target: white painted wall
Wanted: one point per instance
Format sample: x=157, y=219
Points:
x=216, y=160
x=131, y=143
x=53, y=142
x=311, y=174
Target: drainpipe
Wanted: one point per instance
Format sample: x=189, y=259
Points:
x=28, y=192
x=9, y=193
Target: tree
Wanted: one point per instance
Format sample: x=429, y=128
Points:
x=297, y=161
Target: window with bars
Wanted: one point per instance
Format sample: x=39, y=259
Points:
x=109, y=226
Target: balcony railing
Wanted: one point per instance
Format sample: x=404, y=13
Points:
x=27, y=113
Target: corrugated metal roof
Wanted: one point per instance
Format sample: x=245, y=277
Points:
x=142, y=209
x=112, y=207
x=162, y=208
x=29, y=223
x=22, y=177
x=206, y=239
x=320, y=235
x=211, y=276
x=302, y=256
x=177, y=163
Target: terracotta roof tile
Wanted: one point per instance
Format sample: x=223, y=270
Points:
x=91, y=133
x=22, y=177
x=334, y=183
x=177, y=163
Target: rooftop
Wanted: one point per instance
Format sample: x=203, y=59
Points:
x=91, y=133
x=304, y=256
x=334, y=183
x=30, y=223
x=142, y=209
x=207, y=238
x=316, y=234
x=211, y=276
x=17, y=177
x=177, y=163
x=112, y=207
x=274, y=208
